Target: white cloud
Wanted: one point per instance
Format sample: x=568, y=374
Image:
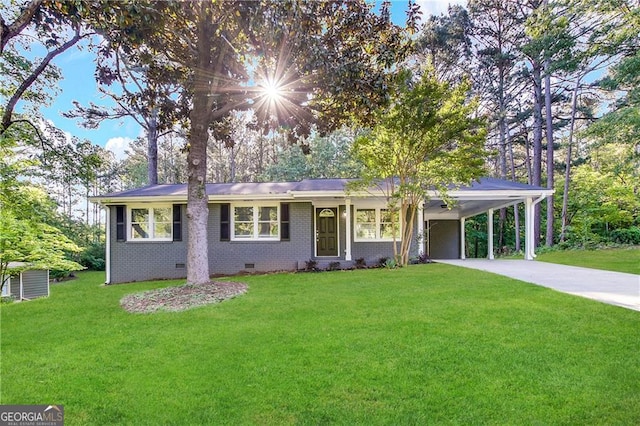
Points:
x=118, y=146
x=436, y=7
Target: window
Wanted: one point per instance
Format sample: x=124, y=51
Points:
x=256, y=222
x=152, y=223
x=374, y=224
x=121, y=223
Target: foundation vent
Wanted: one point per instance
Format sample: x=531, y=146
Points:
x=249, y=265
x=180, y=266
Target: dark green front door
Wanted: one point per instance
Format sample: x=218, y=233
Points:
x=326, y=232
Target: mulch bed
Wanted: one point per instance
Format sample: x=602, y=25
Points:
x=181, y=298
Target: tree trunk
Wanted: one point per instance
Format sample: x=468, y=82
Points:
x=567, y=170
x=232, y=163
x=550, y=168
x=200, y=117
x=152, y=147
x=536, y=167
x=502, y=149
x=516, y=215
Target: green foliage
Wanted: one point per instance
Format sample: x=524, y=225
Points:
x=476, y=236
x=419, y=345
x=622, y=123
x=291, y=165
x=93, y=257
x=27, y=217
x=25, y=235
x=325, y=157
x=604, y=197
x=390, y=264
x=626, y=236
x=445, y=41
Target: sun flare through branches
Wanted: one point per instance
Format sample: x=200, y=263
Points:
x=272, y=92
x=282, y=95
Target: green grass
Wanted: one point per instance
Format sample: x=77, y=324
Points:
x=614, y=259
x=428, y=344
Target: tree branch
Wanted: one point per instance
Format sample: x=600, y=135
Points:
x=44, y=143
x=7, y=32
x=8, y=111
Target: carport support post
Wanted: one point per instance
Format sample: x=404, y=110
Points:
x=528, y=229
x=490, y=234
x=347, y=209
x=462, y=239
x=421, y=239
x=107, y=253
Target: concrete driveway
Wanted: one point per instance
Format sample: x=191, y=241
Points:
x=614, y=288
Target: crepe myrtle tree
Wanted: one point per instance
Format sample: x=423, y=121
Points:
x=429, y=137
x=312, y=63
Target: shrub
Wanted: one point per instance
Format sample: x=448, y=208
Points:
x=390, y=264
x=7, y=299
x=311, y=266
x=424, y=258
x=93, y=257
x=361, y=263
x=58, y=275
x=333, y=266
x=382, y=262
x=626, y=236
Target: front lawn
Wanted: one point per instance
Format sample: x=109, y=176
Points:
x=618, y=259
x=427, y=344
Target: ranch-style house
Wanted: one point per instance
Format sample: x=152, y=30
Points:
x=260, y=227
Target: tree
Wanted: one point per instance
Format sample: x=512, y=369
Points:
x=428, y=138
x=445, y=44
x=324, y=58
x=594, y=48
x=498, y=32
x=236, y=152
x=603, y=198
x=145, y=93
x=21, y=77
x=327, y=156
x=26, y=214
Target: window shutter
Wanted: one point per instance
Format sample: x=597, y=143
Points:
x=177, y=222
x=225, y=222
x=121, y=223
x=284, y=222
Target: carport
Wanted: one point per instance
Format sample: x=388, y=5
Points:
x=445, y=223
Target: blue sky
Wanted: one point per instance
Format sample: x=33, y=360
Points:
x=79, y=84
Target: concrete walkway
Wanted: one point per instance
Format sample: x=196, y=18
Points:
x=614, y=288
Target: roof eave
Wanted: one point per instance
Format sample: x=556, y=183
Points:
x=105, y=201
x=292, y=195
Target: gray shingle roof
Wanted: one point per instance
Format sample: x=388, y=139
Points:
x=493, y=184
x=306, y=185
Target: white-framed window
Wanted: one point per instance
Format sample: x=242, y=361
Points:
x=147, y=223
x=255, y=222
x=374, y=224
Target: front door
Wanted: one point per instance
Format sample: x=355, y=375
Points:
x=326, y=232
